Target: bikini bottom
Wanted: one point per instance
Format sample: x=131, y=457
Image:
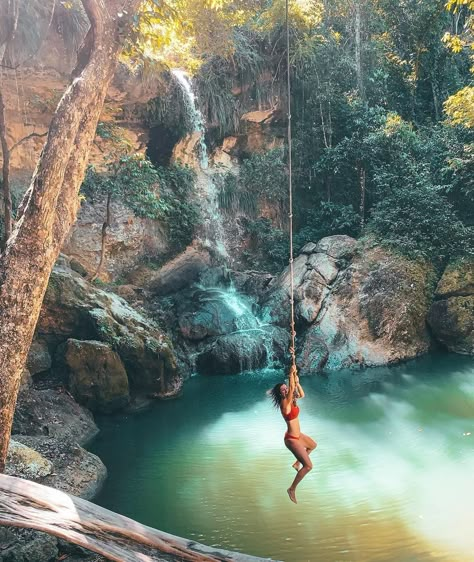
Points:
x=288, y=436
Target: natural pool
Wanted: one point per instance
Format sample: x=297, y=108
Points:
x=393, y=476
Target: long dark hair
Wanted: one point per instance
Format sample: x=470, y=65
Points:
x=276, y=395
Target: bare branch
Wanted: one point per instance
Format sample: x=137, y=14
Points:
x=28, y=137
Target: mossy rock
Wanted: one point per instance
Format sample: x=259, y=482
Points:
x=97, y=376
x=75, y=309
x=457, y=280
x=452, y=322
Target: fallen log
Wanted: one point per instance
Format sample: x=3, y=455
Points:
x=30, y=505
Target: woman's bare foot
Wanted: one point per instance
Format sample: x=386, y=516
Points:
x=292, y=495
x=296, y=465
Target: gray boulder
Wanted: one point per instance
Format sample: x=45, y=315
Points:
x=374, y=314
x=39, y=359
x=314, y=272
x=55, y=414
x=74, y=308
x=24, y=462
x=97, y=378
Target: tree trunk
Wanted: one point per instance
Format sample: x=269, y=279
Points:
x=103, y=241
x=30, y=505
x=7, y=199
x=362, y=180
x=358, y=50
x=50, y=204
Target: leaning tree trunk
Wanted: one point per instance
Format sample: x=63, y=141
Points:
x=50, y=204
x=7, y=198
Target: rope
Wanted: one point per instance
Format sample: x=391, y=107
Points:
x=290, y=193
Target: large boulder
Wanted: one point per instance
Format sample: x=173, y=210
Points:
x=177, y=274
x=24, y=462
x=55, y=414
x=97, y=376
x=354, y=305
x=314, y=272
x=74, y=308
x=451, y=316
x=39, y=358
x=243, y=351
x=374, y=314
x=75, y=470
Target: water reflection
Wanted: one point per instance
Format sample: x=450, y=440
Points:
x=392, y=479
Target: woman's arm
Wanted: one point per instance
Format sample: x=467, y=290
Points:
x=292, y=381
x=299, y=388
x=287, y=402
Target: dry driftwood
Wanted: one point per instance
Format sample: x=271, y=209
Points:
x=31, y=505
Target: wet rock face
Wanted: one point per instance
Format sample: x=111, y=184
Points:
x=451, y=316
x=222, y=328
x=232, y=354
x=354, y=308
x=97, y=377
x=245, y=351
x=73, y=308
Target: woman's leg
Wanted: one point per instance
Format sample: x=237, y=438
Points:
x=309, y=444
x=301, y=454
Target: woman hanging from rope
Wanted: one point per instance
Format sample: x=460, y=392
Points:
x=284, y=397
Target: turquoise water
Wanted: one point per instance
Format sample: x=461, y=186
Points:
x=393, y=476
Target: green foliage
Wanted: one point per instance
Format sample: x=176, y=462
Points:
x=131, y=179
x=262, y=179
x=421, y=223
x=219, y=75
x=181, y=214
x=269, y=246
x=162, y=194
x=326, y=220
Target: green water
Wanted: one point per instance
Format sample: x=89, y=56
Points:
x=393, y=476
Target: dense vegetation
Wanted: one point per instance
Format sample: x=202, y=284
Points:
x=381, y=107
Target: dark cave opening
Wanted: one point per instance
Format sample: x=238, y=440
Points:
x=161, y=143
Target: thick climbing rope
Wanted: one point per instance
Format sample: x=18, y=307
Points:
x=290, y=193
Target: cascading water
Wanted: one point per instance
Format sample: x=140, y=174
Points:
x=242, y=341
x=245, y=342
x=213, y=233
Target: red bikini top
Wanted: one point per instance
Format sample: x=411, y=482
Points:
x=293, y=413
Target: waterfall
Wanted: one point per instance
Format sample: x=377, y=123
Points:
x=212, y=234
x=244, y=340
x=194, y=114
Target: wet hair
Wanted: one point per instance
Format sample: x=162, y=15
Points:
x=276, y=395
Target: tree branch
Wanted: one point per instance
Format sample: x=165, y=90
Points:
x=28, y=137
